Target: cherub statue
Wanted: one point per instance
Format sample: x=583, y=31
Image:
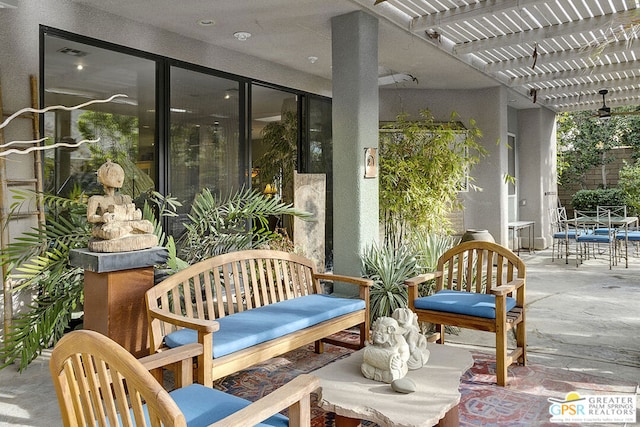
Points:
x=416, y=341
x=119, y=226
x=386, y=358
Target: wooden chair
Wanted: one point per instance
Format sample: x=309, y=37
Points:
x=478, y=285
x=99, y=383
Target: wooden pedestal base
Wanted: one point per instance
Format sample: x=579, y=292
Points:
x=114, y=306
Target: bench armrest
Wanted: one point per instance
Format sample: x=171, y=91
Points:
x=200, y=325
x=171, y=356
x=179, y=360
x=294, y=395
x=421, y=278
x=507, y=288
x=361, y=281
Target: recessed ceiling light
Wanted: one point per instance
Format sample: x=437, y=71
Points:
x=79, y=67
x=241, y=35
x=312, y=59
x=206, y=22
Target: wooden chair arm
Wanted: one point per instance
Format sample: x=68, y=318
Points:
x=296, y=392
x=361, y=281
x=200, y=325
x=508, y=287
x=170, y=356
x=421, y=278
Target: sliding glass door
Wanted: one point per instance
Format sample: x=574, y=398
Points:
x=205, y=147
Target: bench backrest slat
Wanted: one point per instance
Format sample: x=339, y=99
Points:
x=477, y=269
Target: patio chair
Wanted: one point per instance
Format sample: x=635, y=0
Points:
x=599, y=236
x=99, y=383
x=564, y=233
x=478, y=285
x=605, y=212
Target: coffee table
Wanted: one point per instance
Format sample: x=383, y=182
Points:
x=352, y=397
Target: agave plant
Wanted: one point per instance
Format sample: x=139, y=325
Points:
x=428, y=247
x=38, y=262
x=239, y=221
x=388, y=268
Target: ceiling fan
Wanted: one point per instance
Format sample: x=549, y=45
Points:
x=605, y=113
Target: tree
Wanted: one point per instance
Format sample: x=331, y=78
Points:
x=423, y=164
x=119, y=142
x=584, y=142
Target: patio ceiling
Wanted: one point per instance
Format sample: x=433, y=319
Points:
x=558, y=53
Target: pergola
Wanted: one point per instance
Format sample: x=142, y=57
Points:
x=557, y=54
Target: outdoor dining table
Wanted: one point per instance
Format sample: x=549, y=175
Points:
x=619, y=223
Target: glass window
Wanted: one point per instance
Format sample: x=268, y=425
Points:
x=317, y=158
x=204, y=138
x=77, y=73
x=183, y=131
x=274, y=140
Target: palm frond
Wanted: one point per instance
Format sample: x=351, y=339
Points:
x=235, y=222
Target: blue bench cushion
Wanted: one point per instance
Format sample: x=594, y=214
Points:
x=470, y=303
x=251, y=327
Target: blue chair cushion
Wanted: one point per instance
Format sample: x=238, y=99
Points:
x=602, y=231
x=630, y=235
x=571, y=234
x=469, y=303
x=248, y=328
x=594, y=238
x=202, y=406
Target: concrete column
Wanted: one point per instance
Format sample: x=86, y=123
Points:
x=355, y=128
x=538, y=176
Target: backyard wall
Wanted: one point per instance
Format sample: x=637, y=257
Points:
x=593, y=179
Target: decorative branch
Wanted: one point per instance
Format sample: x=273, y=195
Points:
x=59, y=107
x=40, y=148
x=44, y=110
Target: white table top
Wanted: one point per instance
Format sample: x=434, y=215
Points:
x=346, y=392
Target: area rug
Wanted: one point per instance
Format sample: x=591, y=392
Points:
x=522, y=403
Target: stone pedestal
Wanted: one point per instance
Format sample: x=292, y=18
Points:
x=114, y=288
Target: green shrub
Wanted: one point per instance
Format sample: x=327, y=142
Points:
x=589, y=200
x=629, y=184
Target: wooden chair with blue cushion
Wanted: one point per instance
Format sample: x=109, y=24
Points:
x=478, y=285
x=99, y=383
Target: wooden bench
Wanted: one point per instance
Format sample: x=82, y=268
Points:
x=248, y=306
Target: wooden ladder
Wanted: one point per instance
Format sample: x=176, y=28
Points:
x=6, y=183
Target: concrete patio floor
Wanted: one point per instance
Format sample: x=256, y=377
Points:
x=584, y=319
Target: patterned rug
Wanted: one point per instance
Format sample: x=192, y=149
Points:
x=524, y=402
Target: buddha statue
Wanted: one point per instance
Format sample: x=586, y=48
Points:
x=386, y=358
x=118, y=225
x=417, y=342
